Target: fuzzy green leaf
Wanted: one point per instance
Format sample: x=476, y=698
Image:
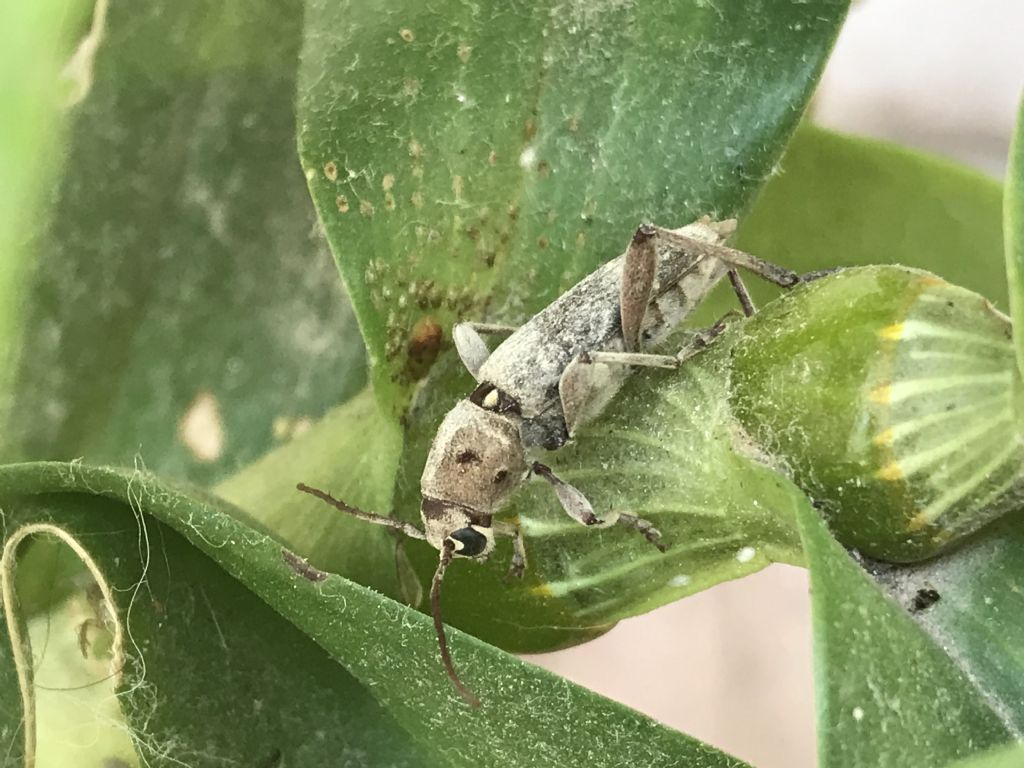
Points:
x=471, y=161
x=887, y=694
x=845, y=201
x=1002, y=757
x=1013, y=222
x=213, y=674
x=177, y=306
x=528, y=716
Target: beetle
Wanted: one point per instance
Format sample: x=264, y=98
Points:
x=550, y=376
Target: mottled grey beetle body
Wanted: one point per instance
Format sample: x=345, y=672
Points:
x=528, y=366
x=551, y=375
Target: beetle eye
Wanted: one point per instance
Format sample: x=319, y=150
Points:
x=468, y=542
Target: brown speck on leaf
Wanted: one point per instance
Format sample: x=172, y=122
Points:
x=473, y=233
x=406, y=34
x=581, y=240
x=366, y=208
x=411, y=87
x=342, y=202
x=302, y=567
x=387, y=182
x=492, y=159
x=513, y=211
x=542, y=242
x=416, y=198
x=544, y=169
x=425, y=341
x=415, y=149
x=389, y=201
x=573, y=124
x=331, y=171
x=464, y=51
x=529, y=129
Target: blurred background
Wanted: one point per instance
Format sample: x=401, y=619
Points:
x=940, y=75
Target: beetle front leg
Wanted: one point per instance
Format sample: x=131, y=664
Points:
x=469, y=342
x=512, y=530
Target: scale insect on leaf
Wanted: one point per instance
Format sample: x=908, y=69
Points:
x=550, y=376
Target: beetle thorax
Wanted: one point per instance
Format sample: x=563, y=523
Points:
x=476, y=460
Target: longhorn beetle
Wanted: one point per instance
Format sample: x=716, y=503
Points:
x=550, y=376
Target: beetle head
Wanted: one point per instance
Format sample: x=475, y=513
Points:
x=447, y=524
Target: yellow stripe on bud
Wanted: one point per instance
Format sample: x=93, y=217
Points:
x=917, y=522
x=884, y=438
x=882, y=394
x=891, y=471
x=892, y=332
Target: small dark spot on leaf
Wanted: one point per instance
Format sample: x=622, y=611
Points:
x=424, y=345
x=544, y=169
x=530, y=129
x=473, y=233
x=273, y=760
x=542, y=242
x=331, y=171
x=925, y=599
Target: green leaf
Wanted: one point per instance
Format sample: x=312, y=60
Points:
x=213, y=674
x=33, y=48
x=978, y=613
x=887, y=694
x=353, y=451
x=473, y=161
x=845, y=201
x=1013, y=218
x=178, y=307
x=528, y=716
x=1003, y=757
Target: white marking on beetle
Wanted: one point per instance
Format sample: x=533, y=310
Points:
x=201, y=429
x=745, y=555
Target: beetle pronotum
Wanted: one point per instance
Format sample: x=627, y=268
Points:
x=551, y=375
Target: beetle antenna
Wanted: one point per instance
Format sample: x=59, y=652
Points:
x=447, y=552
x=407, y=528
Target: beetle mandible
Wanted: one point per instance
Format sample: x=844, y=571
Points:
x=552, y=374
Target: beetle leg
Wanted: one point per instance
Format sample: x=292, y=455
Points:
x=591, y=379
x=645, y=527
x=637, y=285
x=742, y=293
x=735, y=259
x=702, y=339
x=579, y=508
x=470, y=345
x=503, y=528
